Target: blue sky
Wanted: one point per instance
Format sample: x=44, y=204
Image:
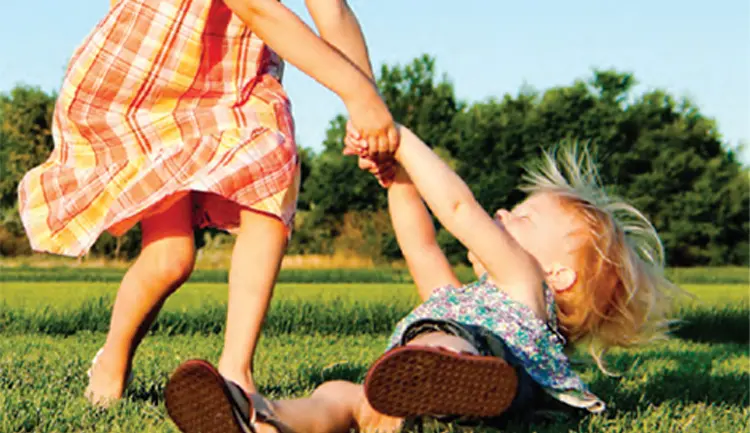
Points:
x=486, y=47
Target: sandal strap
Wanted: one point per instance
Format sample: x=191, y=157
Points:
x=246, y=428
x=242, y=406
x=253, y=409
x=266, y=414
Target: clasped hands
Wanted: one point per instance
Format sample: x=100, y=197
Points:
x=379, y=162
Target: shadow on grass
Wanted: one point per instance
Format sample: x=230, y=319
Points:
x=730, y=324
x=686, y=375
x=153, y=394
x=148, y=389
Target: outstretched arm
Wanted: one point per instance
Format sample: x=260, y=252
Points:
x=507, y=263
x=339, y=27
x=294, y=41
x=416, y=237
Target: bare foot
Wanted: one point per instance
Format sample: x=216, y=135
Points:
x=106, y=380
x=371, y=421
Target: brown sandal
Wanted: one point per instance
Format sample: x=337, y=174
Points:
x=200, y=400
x=414, y=381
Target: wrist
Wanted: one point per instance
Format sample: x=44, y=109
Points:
x=360, y=92
x=405, y=142
x=401, y=176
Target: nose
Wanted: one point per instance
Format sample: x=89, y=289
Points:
x=502, y=215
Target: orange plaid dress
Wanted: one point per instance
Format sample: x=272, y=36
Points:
x=163, y=99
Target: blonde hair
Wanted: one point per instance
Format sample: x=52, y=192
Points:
x=621, y=296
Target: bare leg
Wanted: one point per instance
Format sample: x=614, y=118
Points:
x=446, y=341
x=334, y=407
x=166, y=261
x=341, y=406
x=256, y=259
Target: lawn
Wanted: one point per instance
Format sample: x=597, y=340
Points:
x=696, y=381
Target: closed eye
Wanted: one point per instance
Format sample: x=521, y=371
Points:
x=522, y=213
x=524, y=217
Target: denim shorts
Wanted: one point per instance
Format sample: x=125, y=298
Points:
x=487, y=344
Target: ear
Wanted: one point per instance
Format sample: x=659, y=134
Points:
x=560, y=278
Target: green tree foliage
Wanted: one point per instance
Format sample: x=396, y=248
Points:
x=25, y=136
x=660, y=153
x=25, y=141
x=12, y=239
x=336, y=186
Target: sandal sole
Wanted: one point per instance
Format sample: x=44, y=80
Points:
x=416, y=381
x=198, y=401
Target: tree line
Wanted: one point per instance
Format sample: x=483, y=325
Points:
x=655, y=150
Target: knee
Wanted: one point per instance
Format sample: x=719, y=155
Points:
x=336, y=389
x=173, y=262
x=443, y=340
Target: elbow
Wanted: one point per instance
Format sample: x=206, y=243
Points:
x=460, y=203
x=249, y=10
x=463, y=213
x=327, y=5
x=459, y=208
x=328, y=11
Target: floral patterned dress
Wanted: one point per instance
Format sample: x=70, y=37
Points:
x=537, y=344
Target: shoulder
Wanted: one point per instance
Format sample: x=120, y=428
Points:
x=531, y=294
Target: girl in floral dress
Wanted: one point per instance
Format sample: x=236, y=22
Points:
x=569, y=266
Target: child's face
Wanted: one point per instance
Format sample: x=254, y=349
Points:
x=543, y=227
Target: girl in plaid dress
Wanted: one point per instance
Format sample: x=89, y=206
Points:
x=172, y=115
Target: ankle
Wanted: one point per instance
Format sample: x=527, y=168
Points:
x=239, y=375
x=113, y=360
x=244, y=382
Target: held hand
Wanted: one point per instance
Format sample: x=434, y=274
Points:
x=384, y=172
x=377, y=131
x=353, y=142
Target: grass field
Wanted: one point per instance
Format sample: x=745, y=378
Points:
x=697, y=381
x=724, y=275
